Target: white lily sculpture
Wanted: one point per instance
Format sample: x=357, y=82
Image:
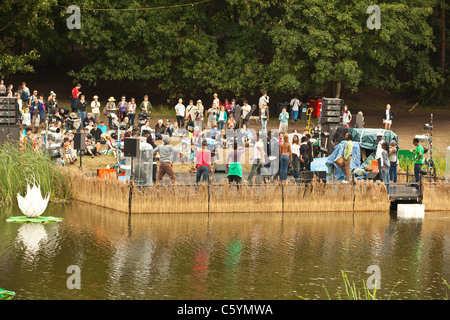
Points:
x=33, y=205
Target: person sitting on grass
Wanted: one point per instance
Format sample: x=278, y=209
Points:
x=160, y=130
x=97, y=136
x=68, y=156
x=111, y=144
x=103, y=128
x=169, y=128
x=90, y=146
x=185, y=153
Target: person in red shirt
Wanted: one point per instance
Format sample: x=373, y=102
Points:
x=203, y=161
x=75, y=97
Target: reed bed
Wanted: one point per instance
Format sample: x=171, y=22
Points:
x=19, y=167
x=436, y=197
x=226, y=198
x=111, y=194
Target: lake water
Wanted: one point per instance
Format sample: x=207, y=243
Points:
x=222, y=256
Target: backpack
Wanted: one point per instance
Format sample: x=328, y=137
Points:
x=25, y=96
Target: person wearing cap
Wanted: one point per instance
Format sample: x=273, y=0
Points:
x=199, y=110
x=216, y=100
x=95, y=109
x=165, y=160
x=203, y=161
x=393, y=160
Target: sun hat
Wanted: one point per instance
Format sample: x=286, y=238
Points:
x=95, y=97
x=111, y=99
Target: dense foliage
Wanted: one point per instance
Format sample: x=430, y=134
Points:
x=238, y=46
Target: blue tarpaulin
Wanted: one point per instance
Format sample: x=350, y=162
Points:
x=339, y=151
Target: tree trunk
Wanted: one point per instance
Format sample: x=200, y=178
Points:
x=337, y=90
x=443, y=46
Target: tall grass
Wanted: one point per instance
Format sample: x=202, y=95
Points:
x=19, y=167
x=351, y=292
x=225, y=198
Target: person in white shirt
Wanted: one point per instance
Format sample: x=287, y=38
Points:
x=346, y=116
x=264, y=99
x=295, y=104
x=295, y=147
x=216, y=101
x=180, y=110
x=246, y=108
x=95, y=109
x=2, y=88
x=258, y=155
x=387, y=117
x=146, y=127
x=379, y=151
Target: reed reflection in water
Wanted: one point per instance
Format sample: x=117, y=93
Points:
x=222, y=256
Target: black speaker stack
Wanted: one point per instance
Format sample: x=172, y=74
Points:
x=131, y=147
x=9, y=120
x=79, y=141
x=332, y=110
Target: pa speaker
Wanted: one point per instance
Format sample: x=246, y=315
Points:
x=332, y=101
x=9, y=133
x=79, y=141
x=373, y=176
x=131, y=147
x=9, y=111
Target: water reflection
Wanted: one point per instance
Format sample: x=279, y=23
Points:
x=32, y=236
x=226, y=256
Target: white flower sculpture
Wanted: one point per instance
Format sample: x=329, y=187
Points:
x=33, y=205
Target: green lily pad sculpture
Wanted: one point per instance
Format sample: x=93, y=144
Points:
x=6, y=295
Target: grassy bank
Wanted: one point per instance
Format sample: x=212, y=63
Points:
x=19, y=167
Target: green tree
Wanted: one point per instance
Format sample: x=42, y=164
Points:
x=27, y=34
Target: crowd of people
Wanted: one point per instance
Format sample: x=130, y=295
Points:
x=202, y=132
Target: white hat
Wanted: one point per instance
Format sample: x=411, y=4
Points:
x=379, y=134
x=111, y=99
x=95, y=97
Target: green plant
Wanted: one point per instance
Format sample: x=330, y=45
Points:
x=18, y=167
x=352, y=293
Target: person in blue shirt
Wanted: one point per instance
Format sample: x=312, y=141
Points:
x=103, y=128
x=283, y=117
